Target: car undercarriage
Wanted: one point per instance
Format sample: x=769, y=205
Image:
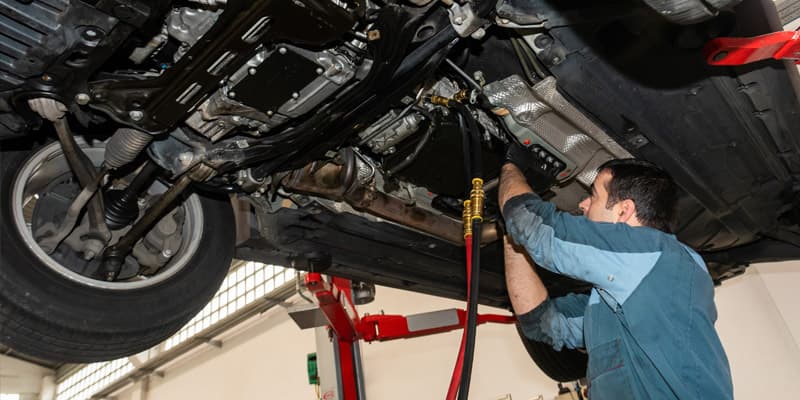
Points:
x=335, y=130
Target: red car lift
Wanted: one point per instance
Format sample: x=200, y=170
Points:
x=739, y=51
x=335, y=302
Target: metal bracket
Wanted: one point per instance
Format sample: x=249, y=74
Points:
x=740, y=51
x=464, y=21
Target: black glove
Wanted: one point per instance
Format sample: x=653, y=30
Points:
x=538, y=165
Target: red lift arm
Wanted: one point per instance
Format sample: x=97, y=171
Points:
x=739, y=51
x=335, y=301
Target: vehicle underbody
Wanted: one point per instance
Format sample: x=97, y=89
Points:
x=319, y=121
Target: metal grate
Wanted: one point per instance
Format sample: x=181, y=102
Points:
x=242, y=286
x=248, y=282
x=91, y=378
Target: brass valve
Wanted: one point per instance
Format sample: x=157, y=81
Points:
x=461, y=96
x=466, y=218
x=476, y=197
x=440, y=101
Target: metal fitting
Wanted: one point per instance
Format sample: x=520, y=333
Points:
x=476, y=197
x=440, y=101
x=462, y=95
x=466, y=217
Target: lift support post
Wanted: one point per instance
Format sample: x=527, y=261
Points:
x=335, y=301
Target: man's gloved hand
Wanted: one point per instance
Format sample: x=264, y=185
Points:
x=539, y=173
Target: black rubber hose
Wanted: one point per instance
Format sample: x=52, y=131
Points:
x=472, y=139
x=465, y=142
x=472, y=313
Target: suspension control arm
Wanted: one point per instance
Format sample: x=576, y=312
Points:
x=114, y=256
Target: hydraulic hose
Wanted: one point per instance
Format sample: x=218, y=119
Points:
x=472, y=314
x=472, y=218
x=455, y=380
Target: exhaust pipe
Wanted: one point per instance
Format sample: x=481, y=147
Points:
x=335, y=182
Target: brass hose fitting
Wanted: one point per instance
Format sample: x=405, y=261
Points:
x=440, y=101
x=462, y=95
x=476, y=197
x=466, y=218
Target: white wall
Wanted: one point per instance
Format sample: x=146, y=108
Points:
x=268, y=361
x=758, y=322
x=21, y=377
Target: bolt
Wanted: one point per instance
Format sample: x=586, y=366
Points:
x=167, y=253
x=47, y=78
x=295, y=95
x=142, y=202
x=478, y=34
x=478, y=75
x=136, y=115
x=186, y=158
x=231, y=94
x=88, y=255
x=282, y=50
x=458, y=20
x=270, y=113
x=252, y=71
x=556, y=60
x=504, y=21
x=320, y=71
x=82, y=99
x=91, y=35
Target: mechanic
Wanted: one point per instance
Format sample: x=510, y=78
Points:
x=648, y=323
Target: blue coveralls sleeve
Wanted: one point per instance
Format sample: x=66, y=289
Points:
x=557, y=322
x=610, y=256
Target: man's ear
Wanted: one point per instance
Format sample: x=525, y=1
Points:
x=626, y=212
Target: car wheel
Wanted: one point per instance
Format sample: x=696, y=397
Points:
x=561, y=366
x=52, y=307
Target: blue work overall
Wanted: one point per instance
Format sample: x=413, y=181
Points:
x=648, y=323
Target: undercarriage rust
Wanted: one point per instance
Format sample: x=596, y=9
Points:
x=329, y=181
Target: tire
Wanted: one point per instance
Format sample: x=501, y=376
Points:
x=47, y=315
x=561, y=366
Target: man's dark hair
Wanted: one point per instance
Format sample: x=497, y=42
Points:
x=648, y=186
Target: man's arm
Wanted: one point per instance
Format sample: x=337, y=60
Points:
x=525, y=288
x=613, y=257
x=557, y=322
x=512, y=183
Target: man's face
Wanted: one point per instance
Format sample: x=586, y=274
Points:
x=594, y=206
